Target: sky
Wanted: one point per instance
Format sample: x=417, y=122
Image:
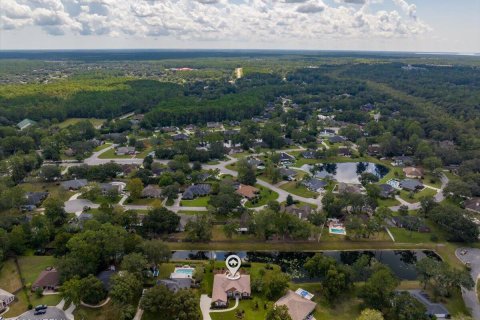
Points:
x=369, y=25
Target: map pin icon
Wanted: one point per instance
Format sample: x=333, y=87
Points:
x=233, y=263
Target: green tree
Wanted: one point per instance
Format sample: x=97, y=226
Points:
x=50, y=173
x=54, y=211
x=135, y=187
x=72, y=290
x=161, y=221
x=199, y=229
x=406, y=307
x=278, y=313
x=275, y=284
x=379, y=289
x=246, y=172
x=370, y=314
x=290, y=200
x=134, y=263
x=336, y=282
x=125, y=289
x=92, y=290
x=156, y=251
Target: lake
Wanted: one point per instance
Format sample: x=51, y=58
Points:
x=347, y=172
x=402, y=262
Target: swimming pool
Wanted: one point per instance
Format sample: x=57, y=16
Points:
x=337, y=230
x=182, y=272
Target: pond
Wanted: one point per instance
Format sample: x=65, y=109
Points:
x=347, y=172
x=402, y=262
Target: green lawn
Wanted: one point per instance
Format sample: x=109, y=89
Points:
x=265, y=196
x=71, y=121
x=52, y=188
x=31, y=266
x=248, y=306
x=431, y=181
x=101, y=147
x=9, y=277
x=389, y=202
x=295, y=188
x=197, y=202
x=405, y=236
x=417, y=195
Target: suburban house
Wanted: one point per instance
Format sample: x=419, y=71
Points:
x=25, y=123
x=180, y=137
x=367, y=107
x=176, y=285
x=168, y=129
x=74, y=184
x=197, y=190
x=35, y=198
x=433, y=309
x=224, y=288
x=374, y=149
x=106, y=188
x=248, y=192
x=327, y=132
x=286, y=158
x=299, y=308
x=5, y=299
x=314, y=185
x=410, y=223
x=259, y=164
x=411, y=185
x=214, y=125
x=349, y=188
x=413, y=172
x=386, y=190
x=472, y=205
x=336, y=139
x=301, y=213
x=123, y=151
x=309, y=154
x=344, y=152
x=401, y=161
x=288, y=174
x=151, y=191
x=49, y=280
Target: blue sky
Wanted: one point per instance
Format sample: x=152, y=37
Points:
x=393, y=25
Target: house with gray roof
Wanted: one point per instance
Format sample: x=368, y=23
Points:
x=286, y=158
x=314, y=184
x=197, y=190
x=74, y=184
x=411, y=185
x=122, y=151
x=288, y=174
x=433, y=309
x=386, y=190
x=177, y=284
x=337, y=139
x=35, y=198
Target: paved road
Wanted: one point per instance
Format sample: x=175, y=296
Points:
x=53, y=313
x=470, y=296
x=282, y=194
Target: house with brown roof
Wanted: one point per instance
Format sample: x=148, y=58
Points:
x=413, y=172
x=299, y=308
x=247, y=191
x=151, y=191
x=49, y=279
x=225, y=288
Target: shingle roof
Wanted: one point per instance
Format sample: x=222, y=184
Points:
x=197, y=190
x=411, y=184
x=298, y=307
x=35, y=198
x=74, y=184
x=221, y=284
x=247, y=191
x=47, y=278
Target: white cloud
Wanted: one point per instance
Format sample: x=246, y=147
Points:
x=214, y=20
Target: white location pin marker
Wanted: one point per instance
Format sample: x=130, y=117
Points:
x=233, y=263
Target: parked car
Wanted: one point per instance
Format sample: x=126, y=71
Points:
x=39, y=312
x=41, y=307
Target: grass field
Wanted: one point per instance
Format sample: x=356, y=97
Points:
x=9, y=277
x=197, y=202
x=298, y=190
x=265, y=196
x=31, y=266
x=110, y=154
x=405, y=195
x=390, y=202
x=95, y=122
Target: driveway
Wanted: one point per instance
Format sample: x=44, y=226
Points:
x=470, y=296
x=205, y=303
x=77, y=205
x=53, y=313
